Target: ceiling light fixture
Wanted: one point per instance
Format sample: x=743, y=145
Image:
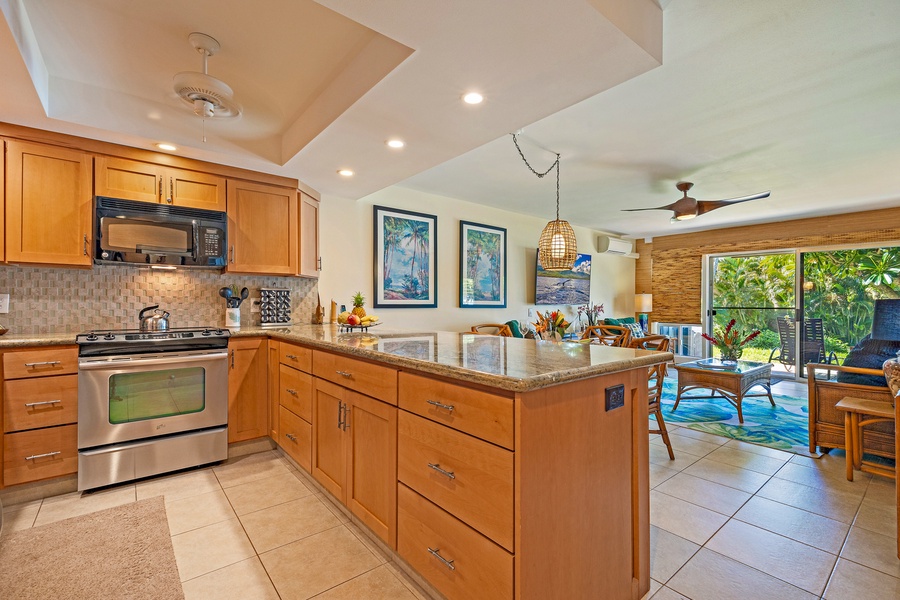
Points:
x=167, y=147
x=473, y=98
x=557, y=248
x=209, y=97
x=345, y=173
x=395, y=143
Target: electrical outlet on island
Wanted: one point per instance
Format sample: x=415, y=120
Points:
x=4, y=303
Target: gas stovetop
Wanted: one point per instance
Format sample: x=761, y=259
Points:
x=134, y=341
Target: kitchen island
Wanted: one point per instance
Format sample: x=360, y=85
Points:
x=493, y=467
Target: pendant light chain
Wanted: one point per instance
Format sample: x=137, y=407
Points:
x=541, y=175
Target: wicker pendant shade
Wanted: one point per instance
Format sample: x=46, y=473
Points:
x=557, y=248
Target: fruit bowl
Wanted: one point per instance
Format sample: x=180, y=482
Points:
x=348, y=327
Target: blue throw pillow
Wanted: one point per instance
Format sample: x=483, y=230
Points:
x=868, y=354
x=636, y=330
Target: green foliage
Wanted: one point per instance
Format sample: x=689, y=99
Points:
x=766, y=339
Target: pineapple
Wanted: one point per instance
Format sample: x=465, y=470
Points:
x=358, y=301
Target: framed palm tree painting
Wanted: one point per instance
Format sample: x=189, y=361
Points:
x=482, y=266
x=405, y=259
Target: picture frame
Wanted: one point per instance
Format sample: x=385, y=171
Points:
x=555, y=288
x=405, y=259
x=482, y=265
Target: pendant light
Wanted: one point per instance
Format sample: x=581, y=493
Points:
x=557, y=248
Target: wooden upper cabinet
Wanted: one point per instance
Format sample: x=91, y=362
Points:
x=48, y=205
x=262, y=228
x=146, y=182
x=2, y=216
x=310, y=261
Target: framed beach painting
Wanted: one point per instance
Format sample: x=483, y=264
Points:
x=564, y=287
x=405, y=259
x=482, y=266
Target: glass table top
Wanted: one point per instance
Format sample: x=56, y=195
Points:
x=715, y=364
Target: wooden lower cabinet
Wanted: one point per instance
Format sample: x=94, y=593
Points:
x=39, y=454
x=248, y=411
x=457, y=560
x=355, y=454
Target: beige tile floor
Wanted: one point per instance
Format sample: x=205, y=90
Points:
x=728, y=520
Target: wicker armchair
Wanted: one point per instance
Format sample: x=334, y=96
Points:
x=609, y=335
x=501, y=329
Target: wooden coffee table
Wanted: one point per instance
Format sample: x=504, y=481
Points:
x=731, y=382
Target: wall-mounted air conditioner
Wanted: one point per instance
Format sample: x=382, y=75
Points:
x=613, y=245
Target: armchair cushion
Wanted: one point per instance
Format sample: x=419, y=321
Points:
x=886, y=321
x=636, y=330
x=619, y=322
x=868, y=354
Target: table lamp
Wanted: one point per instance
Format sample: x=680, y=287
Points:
x=643, y=304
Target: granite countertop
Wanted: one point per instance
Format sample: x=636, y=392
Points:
x=512, y=364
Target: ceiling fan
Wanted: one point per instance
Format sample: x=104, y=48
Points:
x=208, y=96
x=687, y=208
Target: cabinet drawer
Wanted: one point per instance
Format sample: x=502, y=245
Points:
x=40, y=402
x=40, y=363
x=481, y=569
x=370, y=379
x=295, y=392
x=482, y=414
x=39, y=454
x=296, y=356
x=295, y=437
x=475, y=480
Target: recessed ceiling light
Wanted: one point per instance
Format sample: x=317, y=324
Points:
x=345, y=173
x=168, y=147
x=395, y=143
x=473, y=98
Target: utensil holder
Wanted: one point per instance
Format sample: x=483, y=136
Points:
x=233, y=318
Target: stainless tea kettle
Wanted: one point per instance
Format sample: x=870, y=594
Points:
x=158, y=321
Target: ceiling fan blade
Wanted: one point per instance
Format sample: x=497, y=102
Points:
x=666, y=207
x=704, y=206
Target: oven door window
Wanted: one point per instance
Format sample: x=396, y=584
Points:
x=155, y=394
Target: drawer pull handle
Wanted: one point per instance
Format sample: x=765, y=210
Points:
x=449, y=474
x=447, y=407
x=48, y=363
x=345, y=374
x=291, y=437
x=290, y=391
x=436, y=552
x=34, y=456
x=291, y=356
x=30, y=404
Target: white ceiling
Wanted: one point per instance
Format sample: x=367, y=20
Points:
x=797, y=97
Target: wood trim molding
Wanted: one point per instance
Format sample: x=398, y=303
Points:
x=41, y=136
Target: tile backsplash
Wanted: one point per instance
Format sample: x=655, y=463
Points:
x=52, y=300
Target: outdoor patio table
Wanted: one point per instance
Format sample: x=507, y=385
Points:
x=730, y=381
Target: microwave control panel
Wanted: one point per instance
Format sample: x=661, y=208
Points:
x=213, y=241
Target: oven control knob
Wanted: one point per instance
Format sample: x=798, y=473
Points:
x=219, y=332
x=206, y=332
x=91, y=337
x=109, y=336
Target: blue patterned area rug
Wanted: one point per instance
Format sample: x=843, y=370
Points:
x=783, y=427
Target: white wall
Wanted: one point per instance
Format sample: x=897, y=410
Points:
x=347, y=261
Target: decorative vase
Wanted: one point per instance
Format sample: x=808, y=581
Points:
x=731, y=356
x=891, y=368
x=233, y=318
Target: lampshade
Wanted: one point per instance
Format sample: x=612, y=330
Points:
x=557, y=247
x=643, y=303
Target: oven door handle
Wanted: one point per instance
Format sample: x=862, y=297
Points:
x=137, y=362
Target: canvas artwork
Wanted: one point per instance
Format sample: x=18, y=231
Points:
x=482, y=266
x=564, y=287
x=405, y=259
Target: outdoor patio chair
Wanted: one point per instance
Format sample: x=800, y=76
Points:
x=814, y=344
x=787, y=334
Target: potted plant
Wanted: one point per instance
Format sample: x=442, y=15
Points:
x=729, y=342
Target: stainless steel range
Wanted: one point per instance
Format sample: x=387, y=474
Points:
x=150, y=402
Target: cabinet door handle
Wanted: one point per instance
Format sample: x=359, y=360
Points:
x=232, y=254
x=171, y=197
x=291, y=356
x=320, y=263
x=30, y=404
x=290, y=391
x=85, y=245
x=160, y=187
x=48, y=363
x=291, y=437
x=447, y=407
x=345, y=374
x=340, y=415
x=35, y=456
x=437, y=467
x=436, y=552
x=232, y=358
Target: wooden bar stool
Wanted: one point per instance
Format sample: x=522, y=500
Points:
x=858, y=413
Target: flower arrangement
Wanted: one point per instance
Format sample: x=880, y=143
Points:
x=729, y=341
x=551, y=323
x=592, y=313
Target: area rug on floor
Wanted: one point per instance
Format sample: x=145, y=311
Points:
x=783, y=427
x=119, y=553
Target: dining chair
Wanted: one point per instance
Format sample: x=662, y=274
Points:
x=608, y=335
x=501, y=329
x=657, y=375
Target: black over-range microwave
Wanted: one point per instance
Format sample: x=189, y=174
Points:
x=144, y=233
